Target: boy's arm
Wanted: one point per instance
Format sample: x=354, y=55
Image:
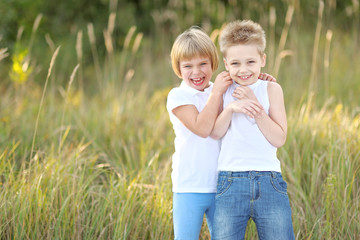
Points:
x=274, y=125
x=202, y=123
x=247, y=106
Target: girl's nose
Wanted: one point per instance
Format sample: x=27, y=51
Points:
x=196, y=70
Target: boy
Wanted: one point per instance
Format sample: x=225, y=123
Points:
x=252, y=126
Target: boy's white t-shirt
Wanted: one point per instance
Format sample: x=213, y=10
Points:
x=244, y=147
x=194, y=163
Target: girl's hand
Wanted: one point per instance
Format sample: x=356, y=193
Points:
x=247, y=106
x=242, y=92
x=222, y=82
x=267, y=77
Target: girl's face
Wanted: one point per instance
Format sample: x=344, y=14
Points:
x=196, y=72
x=244, y=63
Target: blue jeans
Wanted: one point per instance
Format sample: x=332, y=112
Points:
x=188, y=214
x=261, y=196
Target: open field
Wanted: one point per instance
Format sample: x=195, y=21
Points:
x=86, y=143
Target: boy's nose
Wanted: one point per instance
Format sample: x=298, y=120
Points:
x=242, y=69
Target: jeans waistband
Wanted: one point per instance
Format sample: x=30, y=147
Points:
x=248, y=173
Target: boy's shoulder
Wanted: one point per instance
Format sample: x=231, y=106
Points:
x=274, y=87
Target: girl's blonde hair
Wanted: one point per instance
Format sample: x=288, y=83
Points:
x=242, y=32
x=191, y=43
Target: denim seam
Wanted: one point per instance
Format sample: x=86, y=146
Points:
x=276, y=188
x=225, y=190
x=259, y=191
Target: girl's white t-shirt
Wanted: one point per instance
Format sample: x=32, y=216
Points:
x=194, y=163
x=244, y=147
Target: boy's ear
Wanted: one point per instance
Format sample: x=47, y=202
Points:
x=263, y=60
x=226, y=67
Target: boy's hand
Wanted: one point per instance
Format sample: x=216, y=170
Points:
x=222, y=82
x=247, y=106
x=267, y=77
x=244, y=92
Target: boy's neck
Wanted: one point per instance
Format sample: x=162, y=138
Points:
x=246, y=84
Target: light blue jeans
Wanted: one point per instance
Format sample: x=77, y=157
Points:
x=261, y=196
x=188, y=214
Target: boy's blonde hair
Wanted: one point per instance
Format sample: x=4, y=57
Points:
x=191, y=43
x=242, y=32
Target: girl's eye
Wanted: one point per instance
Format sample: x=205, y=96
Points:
x=203, y=64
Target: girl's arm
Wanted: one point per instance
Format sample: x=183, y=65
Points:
x=202, y=123
x=274, y=125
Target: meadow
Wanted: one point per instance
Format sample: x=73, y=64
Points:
x=86, y=142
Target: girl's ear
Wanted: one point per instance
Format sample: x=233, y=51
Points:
x=225, y=63
x=263, y=60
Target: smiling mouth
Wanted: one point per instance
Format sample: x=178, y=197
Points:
x=246, y=77
x=197, y=81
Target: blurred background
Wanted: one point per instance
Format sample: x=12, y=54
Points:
x=85, y=139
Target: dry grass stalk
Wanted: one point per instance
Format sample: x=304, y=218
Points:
x=53, y=58
x=19, y=33
x=129, y=37
x=111, y=23
x=214, y=35
x=272, y=22
x=316, y=47
x=137, y=42
x=34, y=29
x=108, y=42
x=79, y=46
x=94, y=52
x=129, y=75
x=3, y=53
x=284, y=34
x=79, y=54
x=72, y=77
x=50, y=42
x=329, y=35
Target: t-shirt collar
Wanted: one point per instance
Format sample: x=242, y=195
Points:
x=193, y=91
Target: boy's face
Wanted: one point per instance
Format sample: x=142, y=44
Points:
x=244, y=63
x=196, y=72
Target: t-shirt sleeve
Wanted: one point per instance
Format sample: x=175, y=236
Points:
x=178, y=98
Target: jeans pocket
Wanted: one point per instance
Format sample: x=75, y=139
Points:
x=279, y=184
x=224, y=183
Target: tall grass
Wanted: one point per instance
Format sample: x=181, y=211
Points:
x=80, y=163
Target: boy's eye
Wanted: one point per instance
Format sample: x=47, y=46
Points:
x=251, y=62
x=234, y=63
